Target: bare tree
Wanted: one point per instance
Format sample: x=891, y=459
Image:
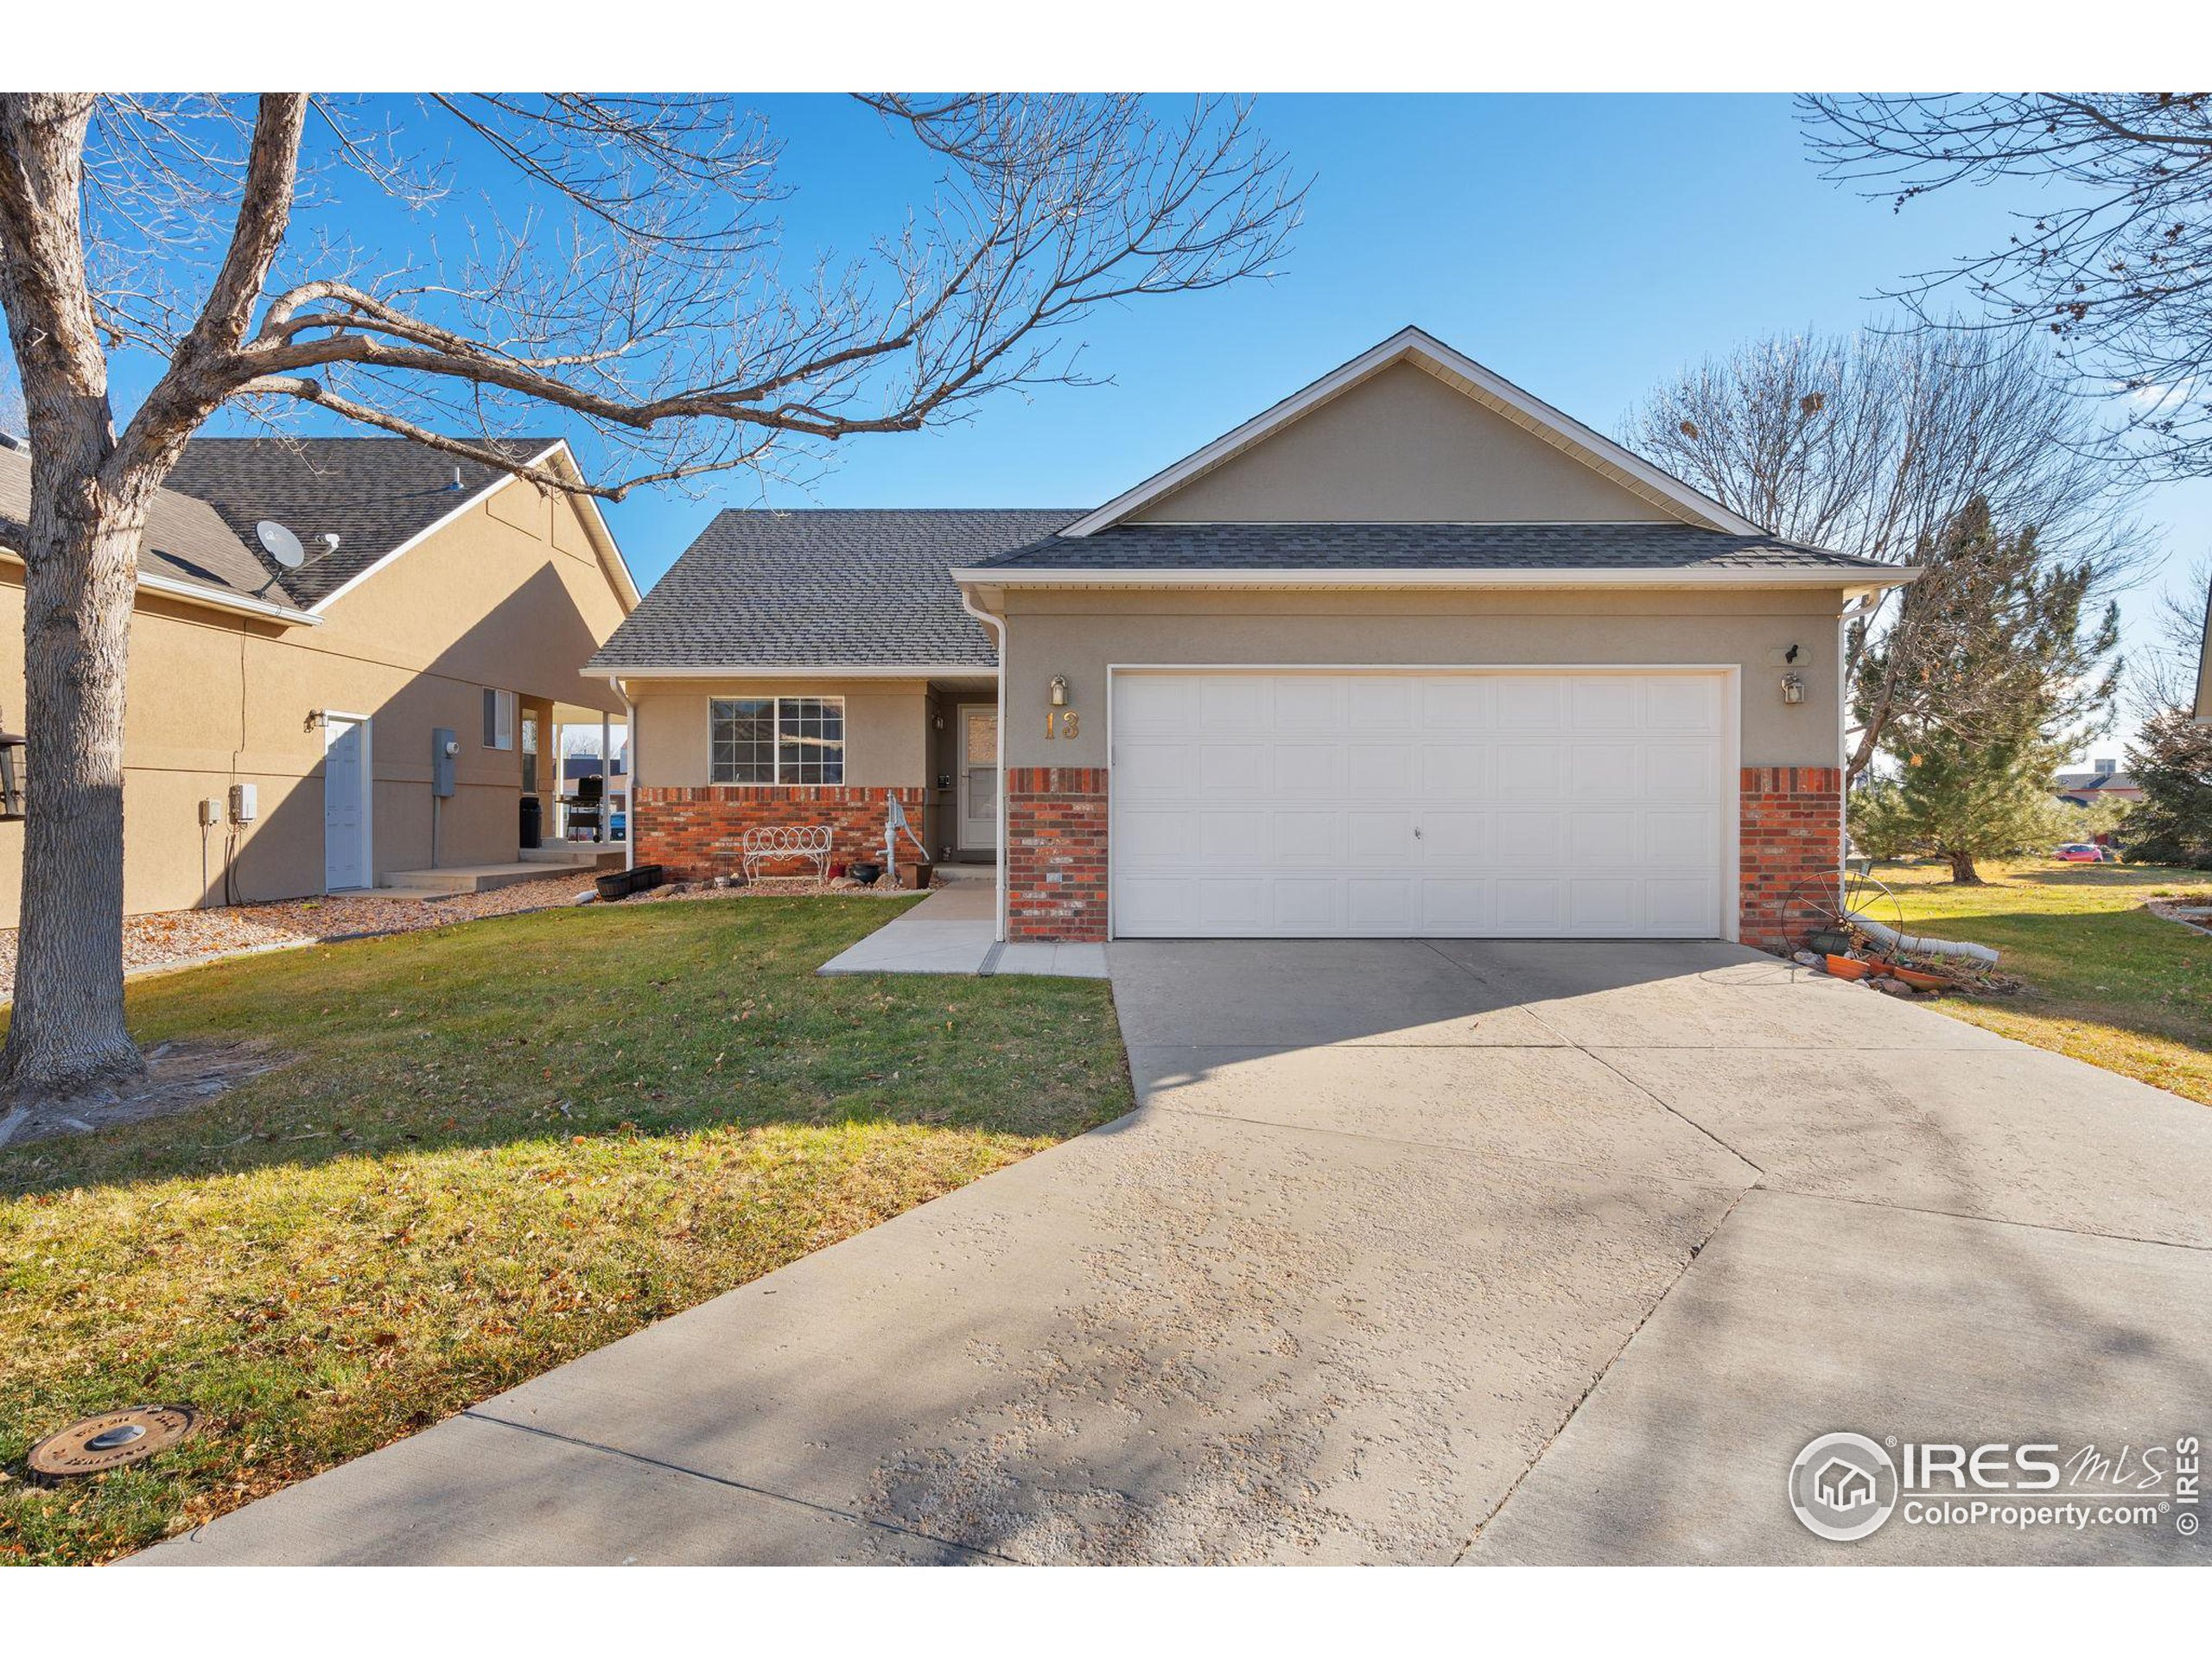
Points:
x=2113, y=262
x=1872, y=444
x=636, y=289
x=2167, y=664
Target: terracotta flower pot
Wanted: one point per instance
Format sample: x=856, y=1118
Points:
x=1849, y=967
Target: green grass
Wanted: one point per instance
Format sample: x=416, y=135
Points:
x=497, y=1146
x=2106, y=981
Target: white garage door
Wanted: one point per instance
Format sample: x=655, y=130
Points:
x=1440, y=804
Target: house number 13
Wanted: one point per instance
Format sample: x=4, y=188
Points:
x=1061, y=723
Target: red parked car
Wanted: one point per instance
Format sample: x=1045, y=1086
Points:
x=2080, y=852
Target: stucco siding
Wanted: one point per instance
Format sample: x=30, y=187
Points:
x=1078, y=634
x=1403, y=447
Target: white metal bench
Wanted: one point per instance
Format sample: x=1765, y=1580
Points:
x=768, y=843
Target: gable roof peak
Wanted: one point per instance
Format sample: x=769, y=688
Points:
x=1490, y=389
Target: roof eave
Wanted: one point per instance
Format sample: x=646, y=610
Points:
x=1854, y=577
x=599, y=669
x=214, y=597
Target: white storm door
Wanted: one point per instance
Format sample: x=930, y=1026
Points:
x=346, y=797
x=1427, y=804
x=978, y=769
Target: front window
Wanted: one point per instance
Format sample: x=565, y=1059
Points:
x=777, y=739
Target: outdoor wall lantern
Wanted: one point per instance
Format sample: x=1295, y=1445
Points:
x=1059, y=691
x=1793, y=687
x=12, y=751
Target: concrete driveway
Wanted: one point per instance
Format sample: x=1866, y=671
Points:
x=1466, y=1252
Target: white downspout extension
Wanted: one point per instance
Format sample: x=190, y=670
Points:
x=629, y=777
x=997, y=626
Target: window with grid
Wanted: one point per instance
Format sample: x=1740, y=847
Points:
x=809, y=739
x=742, y=732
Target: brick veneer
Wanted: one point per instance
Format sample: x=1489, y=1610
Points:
x=1791, y=837
x=1056, y=853
x=699, y=832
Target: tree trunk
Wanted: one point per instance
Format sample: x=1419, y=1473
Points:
x=80, y=568
x=68, y=1034
x=1963, y=873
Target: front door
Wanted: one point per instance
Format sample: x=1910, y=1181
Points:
x=345, y=786
x=979, y=777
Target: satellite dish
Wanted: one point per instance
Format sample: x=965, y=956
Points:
x=280, y=543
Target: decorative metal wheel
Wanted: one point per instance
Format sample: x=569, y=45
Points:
x=1840, y=904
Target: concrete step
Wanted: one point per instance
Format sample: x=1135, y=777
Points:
x=463, y=877
x=579, y=854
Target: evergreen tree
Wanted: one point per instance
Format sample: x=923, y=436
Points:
x=2021, y=679
x=2172, y=824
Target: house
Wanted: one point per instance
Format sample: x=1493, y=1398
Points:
x=2203, y=712
x=2103, y=781
x=286, y=693
x=1843, y=1485
x=1410, y=653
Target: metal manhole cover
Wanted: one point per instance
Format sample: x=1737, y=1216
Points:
x=112, y=1439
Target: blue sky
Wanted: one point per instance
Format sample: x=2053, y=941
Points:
x=1585, y=247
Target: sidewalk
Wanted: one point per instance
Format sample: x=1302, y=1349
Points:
x=950, y=932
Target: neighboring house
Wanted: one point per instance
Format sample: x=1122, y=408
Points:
x=2204, y=666
x=2103, y=781
x=1409, y=654
x=431, y=597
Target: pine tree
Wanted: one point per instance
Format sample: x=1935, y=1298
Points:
x=2018, y=681
x=2172, y=763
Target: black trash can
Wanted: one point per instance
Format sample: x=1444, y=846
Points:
x=533, y=822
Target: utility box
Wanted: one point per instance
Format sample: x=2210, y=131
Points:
x=211, y=812
x=245, y=803
x=445, y=747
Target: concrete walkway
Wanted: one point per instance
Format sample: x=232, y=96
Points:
x=1482, y=1252
x=950, y=932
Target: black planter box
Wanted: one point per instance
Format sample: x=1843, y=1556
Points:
x=620, y=884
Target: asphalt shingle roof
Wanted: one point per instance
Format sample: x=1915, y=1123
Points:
x=373, y=493
x=1330, y=547
x=185, y=540
x=855, y=588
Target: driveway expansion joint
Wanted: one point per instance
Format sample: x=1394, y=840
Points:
x=478, y=1414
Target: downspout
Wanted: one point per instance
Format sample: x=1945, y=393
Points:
x=997, y=626
x=629, y=777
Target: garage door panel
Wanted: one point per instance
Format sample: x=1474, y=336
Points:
x=1451, y=770
x=1604, y=703
x=1309, y=703
x=1456, y=837
x=1380, y=906
x=1528, y=838
x=1310, y=838
x=1683, y=702
x=1528, y=904
x=1151, y=836
x=1311, y=771
x=1229, y=837
x=1380, y=772
x=1381, y=837
x=1599, y=772
x=1456, y=906
x=1236, y=771
x=1531, y=703
x=1603, y=904
x=1307, y=906
x=1683, y=840
x=1603, y=839
x=1458, y=704
x=1672, y=903
x=1235, y=703
x=1380, y=703
x=1444, y=803
x=1163, y=771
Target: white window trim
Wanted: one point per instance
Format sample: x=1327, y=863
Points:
x=775, y=742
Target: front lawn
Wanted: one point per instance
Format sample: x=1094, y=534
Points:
x=500, y=1146
x=2106, y=981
